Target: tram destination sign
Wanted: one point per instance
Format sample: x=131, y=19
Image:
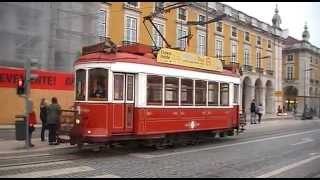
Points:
x=171, y=56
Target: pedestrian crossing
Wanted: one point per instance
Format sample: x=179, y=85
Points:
x=49, y=169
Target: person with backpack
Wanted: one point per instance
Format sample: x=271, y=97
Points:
x=253, y=112
x=53, y=120
x=43, y=117
x=259, y=112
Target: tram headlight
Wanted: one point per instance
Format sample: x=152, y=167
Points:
x=77, y=121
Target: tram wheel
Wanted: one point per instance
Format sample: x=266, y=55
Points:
x=80, y=146
x=221, y=134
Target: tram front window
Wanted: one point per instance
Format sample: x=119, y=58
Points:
x=98, y=84
x=80, y=84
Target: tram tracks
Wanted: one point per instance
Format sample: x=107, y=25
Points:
x=7, y=163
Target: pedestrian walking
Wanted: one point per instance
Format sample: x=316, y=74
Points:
x=43, y=117
x=253, y=112
x=53, y=120
x=259, y=111
x=32, y=123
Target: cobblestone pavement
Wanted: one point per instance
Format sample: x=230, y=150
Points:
x=272, y=149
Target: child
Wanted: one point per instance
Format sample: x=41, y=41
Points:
x=32, y=122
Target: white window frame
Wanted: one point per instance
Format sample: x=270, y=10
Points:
x=154, y=8
x=268, y=44
x=138, y=5
x=289, y=72
x=234, y=59
x=216, y=26
x=231, y=27
x=178, y=19
x=124, y=90
x=258, y=58
x=270, y=61
x=288, y=58
x=201, y=46
x=259, y=37
x=184, y=29
x=244, y=34
x=125, y=28
x=102, y=23
x=216, y=47
x=203, y=21
x=246, y=60
x=158, y=38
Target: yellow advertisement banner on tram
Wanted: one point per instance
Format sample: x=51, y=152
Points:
x=171, y=56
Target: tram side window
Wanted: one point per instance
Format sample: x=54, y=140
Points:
x=154, y=90
x=118, y=86
x=213, y=93
x=224, y=94
x=186, y=92
x=236, y=93
x=201, y=92
x=98, y=84
x=171, y=91
x=80, y=84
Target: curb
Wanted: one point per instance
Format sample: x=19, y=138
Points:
x=12, y=127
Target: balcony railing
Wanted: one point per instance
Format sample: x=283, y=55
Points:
x=246, y=68
x=259, y=70
x=128, y=43
x=270, y=72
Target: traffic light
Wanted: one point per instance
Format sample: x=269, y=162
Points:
x=20, y=88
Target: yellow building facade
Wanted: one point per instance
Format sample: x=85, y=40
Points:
x=255, y=45
x=301, y=75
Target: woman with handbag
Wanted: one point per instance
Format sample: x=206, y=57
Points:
x=32, y=123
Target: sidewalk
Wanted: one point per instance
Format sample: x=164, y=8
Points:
x=13, y=146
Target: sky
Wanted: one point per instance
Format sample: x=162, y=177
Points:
x=294, y=15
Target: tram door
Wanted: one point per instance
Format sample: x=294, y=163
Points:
x=123, y=95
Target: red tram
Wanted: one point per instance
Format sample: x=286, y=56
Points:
x=133, y=95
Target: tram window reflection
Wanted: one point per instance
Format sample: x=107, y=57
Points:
x=154, y=90
x=118, y=86
x=130, y=88
x=201, y=92
x=213, y=94
x=171, y=91
x=98, y=84
x=80, y=84
x=224, y=94
x=186, y=92
x=236, y=94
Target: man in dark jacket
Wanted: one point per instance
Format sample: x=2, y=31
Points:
x=53, y=120
x=43, y=117
x=253, y=112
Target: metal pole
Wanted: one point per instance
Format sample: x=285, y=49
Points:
x=27, y=68
x=207, y=4
x=304, y=86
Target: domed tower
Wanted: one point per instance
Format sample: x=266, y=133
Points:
x=305, y=34
x=276, y=20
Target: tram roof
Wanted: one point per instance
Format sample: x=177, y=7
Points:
x=100, y=57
